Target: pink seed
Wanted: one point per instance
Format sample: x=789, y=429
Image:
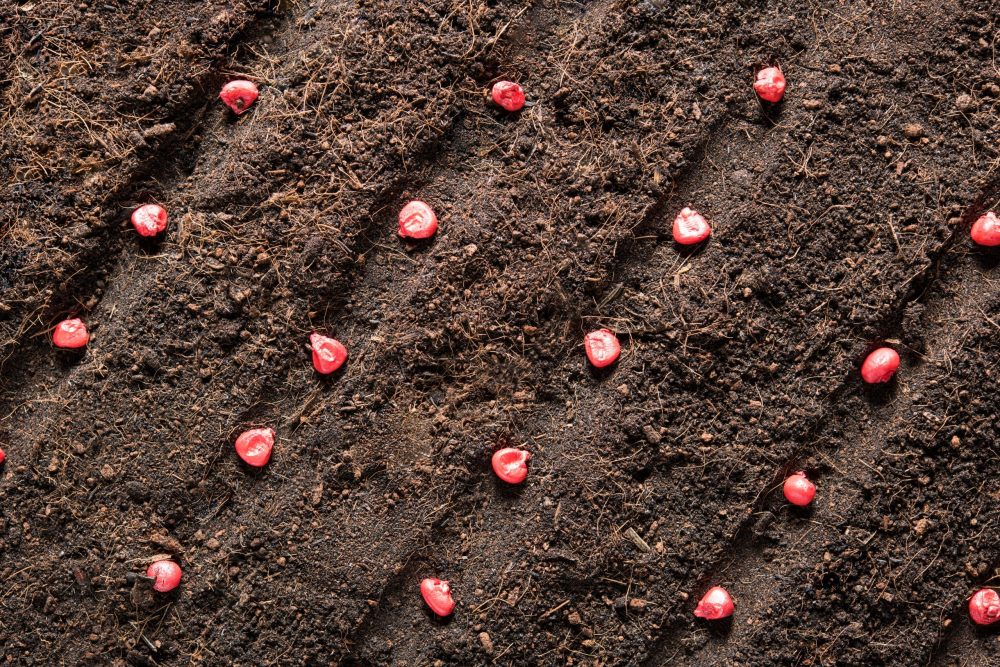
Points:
x=984, y=607
x=239, y=95
x=509, y=95
x=511, y=464
x=167, y=574
x=715, y=604
x=70, y=334
x=880, y=365
x=3, y=456
x=149, y=219
x=799, y=490
x=437, y=595
x=690, y=227
x=770, y=84
x=986, y=230
x=602, y=347
x=417, y=221
x=254, y=446
x=329, y=354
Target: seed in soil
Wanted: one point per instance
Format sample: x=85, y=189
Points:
x=70, y=334
x=329, y=354
x=149, y=219
x=254, y=446
x=799, y=490
x=437, y=595
x=166, y=573
x=509, y=95
x=880, y=365
x=986, y=230
x=716, y=604
x=417, y=221
x=511, y=464
x=3, y=456
x=239, y=95
x=984, y=607
x=770, y=84
x=690, y=227
x=602, y=347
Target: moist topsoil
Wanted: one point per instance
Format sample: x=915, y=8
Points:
x=840, y=222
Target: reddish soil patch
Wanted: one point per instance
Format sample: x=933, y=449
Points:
x=840, y=221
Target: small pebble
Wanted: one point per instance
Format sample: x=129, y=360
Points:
x=70, y=334
x=715, y=605
x=984, y=607
x=417, y=221
x=690, y=227
x=149, y=219
x=254, y=446
x=799, y=490
x=880, y=365
x=602, y=347
x=239, y=95
x=770, y=84
x=328, y=354
x=437, y=595
x=167, y=574
x=965, y=102
x=511, y=464
x=509, y=95
x=986, y=230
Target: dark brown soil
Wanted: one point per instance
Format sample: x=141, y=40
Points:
x=840, y=221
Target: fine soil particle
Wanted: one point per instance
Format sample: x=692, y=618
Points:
x=840, y=221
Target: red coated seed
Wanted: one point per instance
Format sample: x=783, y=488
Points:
x=799, y=490
x=254, y=446
x=511, y=464
x=417, y=221
x=690, y=227
x=437, y=595
x=770, y=84
x=239, y=95
x=984, y=607
x=986, y=230
x=149, y=219
x=509, y=95
x=167, y=574
x=3, y=456
x=70, y=334
x=880, y=365
x=715, y=604
x=602, y=347
x=329, y=354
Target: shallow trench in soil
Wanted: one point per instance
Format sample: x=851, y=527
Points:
x=840, y=222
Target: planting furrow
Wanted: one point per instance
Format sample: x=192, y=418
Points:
x=775, y=564
x=90, y=117
x=909, y=571
x=838, y=449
